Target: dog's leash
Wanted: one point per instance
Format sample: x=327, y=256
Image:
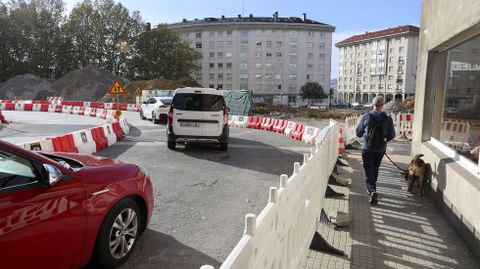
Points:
x=403, y=171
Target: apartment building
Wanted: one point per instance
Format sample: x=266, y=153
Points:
x=272, y=56
x=378, y=63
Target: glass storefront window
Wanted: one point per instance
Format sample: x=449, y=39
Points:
x=460, y=128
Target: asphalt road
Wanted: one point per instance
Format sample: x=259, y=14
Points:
x=30, y=126
x=201, y=193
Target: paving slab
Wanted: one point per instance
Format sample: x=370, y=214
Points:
x=402, y=231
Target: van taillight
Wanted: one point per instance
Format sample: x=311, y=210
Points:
x=225, y=115
x=170, y=115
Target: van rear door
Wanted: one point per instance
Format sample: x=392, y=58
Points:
x=188, y=114
x=213, y=114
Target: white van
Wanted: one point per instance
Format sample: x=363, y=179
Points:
x=197, y=114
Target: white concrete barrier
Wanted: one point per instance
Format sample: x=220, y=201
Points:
x=289, y=128
x=86, y=104
x=310, y=134
x=19, y=106
x=350, y=126
x=40, y=145
x=111, y=136
x=37, y=107
x=67, y=109
x=124, y=125
x=84, y=141
x=51, y=108
x=280, y=235
x=241, y=121
x=100, y=113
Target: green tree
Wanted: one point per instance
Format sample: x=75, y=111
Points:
x=161, y=53
x=312, y=90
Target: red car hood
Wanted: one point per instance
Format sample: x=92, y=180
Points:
x=88, y=160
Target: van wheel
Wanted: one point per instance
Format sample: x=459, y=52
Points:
x=224, y=146
x=118, y=234
x=171, y=145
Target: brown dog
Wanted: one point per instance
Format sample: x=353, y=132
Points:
x=416, y=169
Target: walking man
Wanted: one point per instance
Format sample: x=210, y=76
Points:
x=376, y=129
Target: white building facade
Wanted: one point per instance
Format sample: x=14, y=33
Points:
x=271, y=56
x=378, y=63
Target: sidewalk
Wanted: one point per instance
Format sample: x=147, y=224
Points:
x=401, y=231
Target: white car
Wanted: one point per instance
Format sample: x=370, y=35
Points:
x=155, y=109
x=198, y=114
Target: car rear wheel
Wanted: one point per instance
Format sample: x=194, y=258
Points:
x=154, y=118
x=118, y=234
x=142, y=117
x=224, y=146
x=171, y=145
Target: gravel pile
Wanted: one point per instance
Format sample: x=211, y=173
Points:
x=25, y=87
x=88, y=84
x=395, y=107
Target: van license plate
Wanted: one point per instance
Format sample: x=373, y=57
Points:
x=190, y=124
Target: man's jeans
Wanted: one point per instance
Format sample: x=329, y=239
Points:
x=371, y=164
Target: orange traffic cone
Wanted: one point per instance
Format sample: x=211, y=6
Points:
x=341, y=143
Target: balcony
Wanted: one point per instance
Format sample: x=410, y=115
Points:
x=400, y=72
x=399, y=80
x=401, y=62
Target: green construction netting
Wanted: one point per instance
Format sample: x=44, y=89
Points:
x=239, y=101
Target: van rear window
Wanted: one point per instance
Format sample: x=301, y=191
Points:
x=198, y=102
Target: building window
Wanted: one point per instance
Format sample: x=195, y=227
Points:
x=220, y=86
x=461, y=103
x=293, y=33
x=258, y=76
x=243, y=66
x=310, y=55
x=219, y=44
x=220, y=76
x=211, y=55
x=268, y=66
x=229, y=32
x=321, y=46
x=400, y=49
x=258, y=66
x=279, y=54
x=269, y=44
x=229, y=65
x=258, y=55
x=268, y=76
x=211, y=65
x=229, y=76
x=243, y=55
x=198, y=45
x=228, y=54
x=279, y=44
x=309, y=45
x=321, y=56
x=220, y=54
x=268, y=55
x=243, y=44
x=259, y=44
x=278, y=76
x=244, y=33
x=293, y=55
x=220, y=65
x=198, y=35
x=309, y=66
x=211, y=76
x=243, y=76
x=211, y=86
x=229, y=44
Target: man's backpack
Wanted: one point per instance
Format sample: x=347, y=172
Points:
x=376, y=134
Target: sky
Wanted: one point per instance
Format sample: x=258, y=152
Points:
x=350, y=17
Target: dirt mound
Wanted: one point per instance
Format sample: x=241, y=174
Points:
x=395, y=107
x=86, y=84
x=409, y=102
x=25, y=87
x=157, y=84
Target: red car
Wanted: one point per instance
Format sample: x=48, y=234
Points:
x=63, y=210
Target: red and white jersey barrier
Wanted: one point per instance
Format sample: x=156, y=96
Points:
x=455, y=131
x=86, y=141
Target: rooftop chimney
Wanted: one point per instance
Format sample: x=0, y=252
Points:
x=304, y=16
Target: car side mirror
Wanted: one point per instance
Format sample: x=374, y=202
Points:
x=52, y=175
x=145, y=103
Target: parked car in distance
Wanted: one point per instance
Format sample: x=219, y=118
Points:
x=369, y=104
x=356, y=105
x=198, y=114
x=155, y=109
x=64, y=210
